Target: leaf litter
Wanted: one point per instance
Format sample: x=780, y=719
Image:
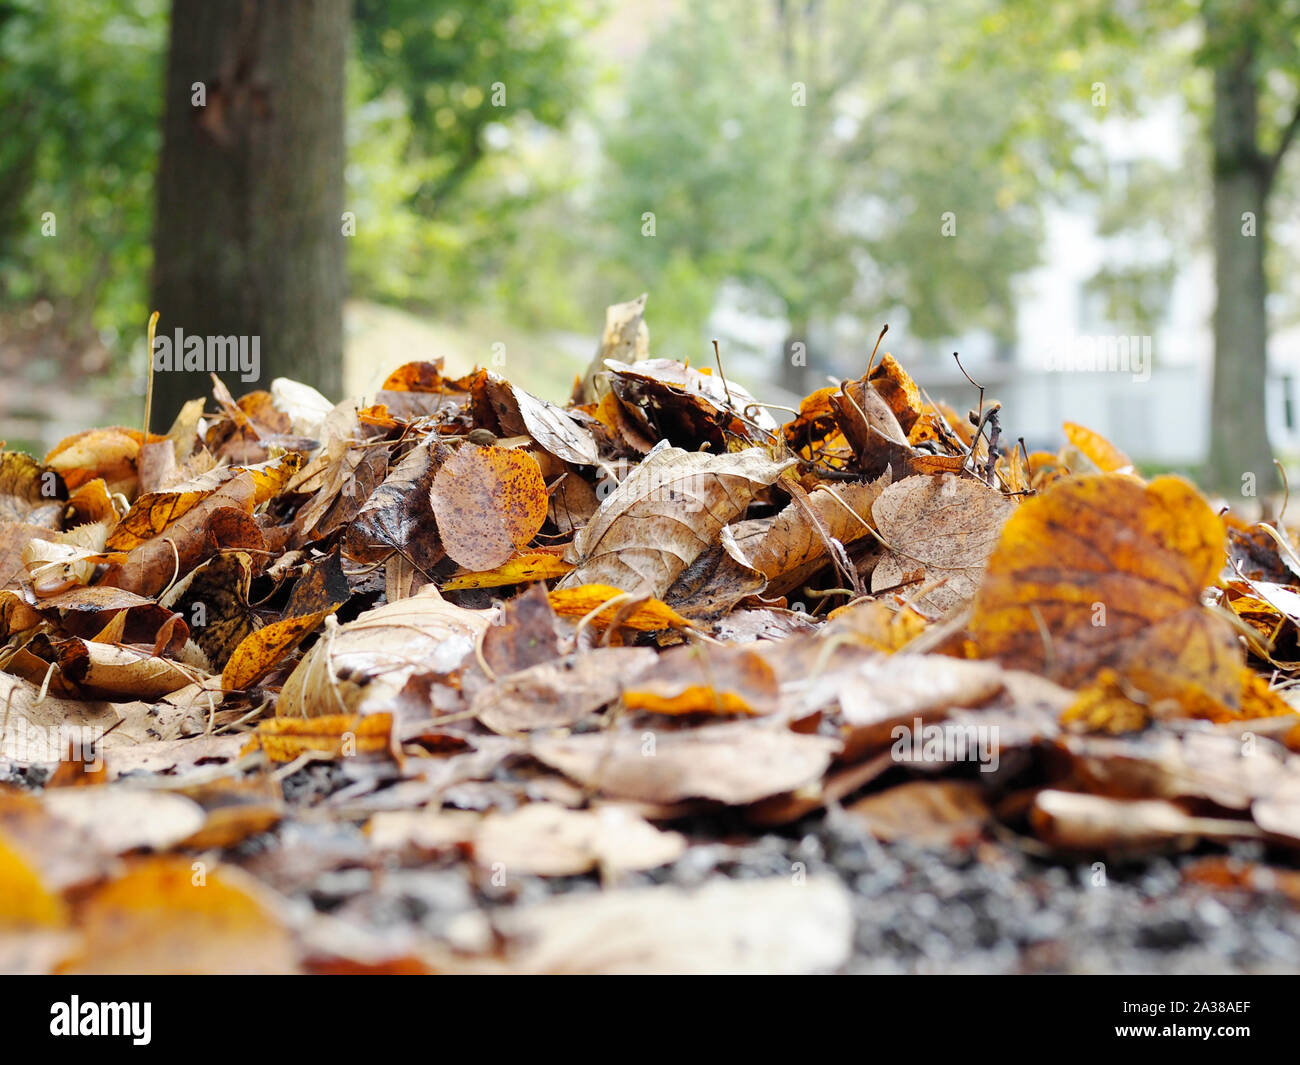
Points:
x=503, y=649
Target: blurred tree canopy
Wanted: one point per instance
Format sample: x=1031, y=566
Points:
x=825, y=154
x=80, y=92
x=81, y=85
x=808, y=160
x=445, y=98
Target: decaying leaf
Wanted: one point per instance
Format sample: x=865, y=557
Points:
x=560, y=693
x=943, y=525
x=548, y=840
x=362, y=666
x=1105, y=572
x=747, y=926
x=1096, y=823
x=667, y=511
x=926, y=812
x=788, y=548
x=733, y=763
x=489, y=502
x=29, y=492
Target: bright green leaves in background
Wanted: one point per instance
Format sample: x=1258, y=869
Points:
x=80, y=88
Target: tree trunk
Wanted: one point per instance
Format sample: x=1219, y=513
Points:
x=248, y=241
x=1240, y=460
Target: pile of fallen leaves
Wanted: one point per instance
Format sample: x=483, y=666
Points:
x=531, y=640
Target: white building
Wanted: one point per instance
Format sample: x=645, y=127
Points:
x=1070, y=364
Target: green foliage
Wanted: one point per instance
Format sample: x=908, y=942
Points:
x=440, y=180
x=462, y=67
x=80, y=92
x=449, y=184
x=813, y=158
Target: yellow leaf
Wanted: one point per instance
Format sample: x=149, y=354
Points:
x=1097, y=449
x=260, y=651
x=24, y=901
x=153, y=512
x=337, y=735
x=649, y=616
x=529, y=566
x=1102, y=571
x=175, y=915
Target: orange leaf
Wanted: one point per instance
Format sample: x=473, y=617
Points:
x=24, y=900
x=174, y=915
x=1102, y=571
x=706, y=680
x=898, y=390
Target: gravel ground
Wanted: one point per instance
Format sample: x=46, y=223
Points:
x=991, y=908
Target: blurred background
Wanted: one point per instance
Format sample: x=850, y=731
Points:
x=1095, y=203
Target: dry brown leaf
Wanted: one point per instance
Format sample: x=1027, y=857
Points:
x=704, y=679
x=362, y=666
x=33, y=729
x=108, y=671
x=107, y=453
x=545, y=839
x=625, y=337
x=730, y=926
x=126, y=819
x=788, y=548
x=29, y=492
x=733, y=763
x=665, y=513
x=214, y=597
x=561, y=693
x=222, y=521
x=943, y=812
x=946, y=526
x=490, y=502
x=398, y=515
x=151, y=514
x=553, y=428
x=1095, y=822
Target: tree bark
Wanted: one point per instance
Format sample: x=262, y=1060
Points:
x=248, y=239
x=1240, y=459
